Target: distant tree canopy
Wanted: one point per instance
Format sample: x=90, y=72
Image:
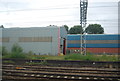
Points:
x=94, y=29
x=77, y=29
x=66, y=27
x=1, y=26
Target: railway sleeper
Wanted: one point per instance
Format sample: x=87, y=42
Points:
x=63, y=76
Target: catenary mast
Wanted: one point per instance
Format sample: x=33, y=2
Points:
x=83, y=17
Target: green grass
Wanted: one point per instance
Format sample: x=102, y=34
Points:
x=79, y=57
x=9, y=62
x=30, y=56
x=88, y=57
x=15, y=55
x=45, y=57
x=91, y=57
x=54, y=57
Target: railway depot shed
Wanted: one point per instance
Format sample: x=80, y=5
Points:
x=50, y=40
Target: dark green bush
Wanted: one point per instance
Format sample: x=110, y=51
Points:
x=17, y=52
x=4, y=51
x=16, y=49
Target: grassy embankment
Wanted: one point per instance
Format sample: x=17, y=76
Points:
x=88, y=57
x=17, y=52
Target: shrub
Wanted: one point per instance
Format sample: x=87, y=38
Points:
x=16, y=49
x=17, y=52
x=4, y=51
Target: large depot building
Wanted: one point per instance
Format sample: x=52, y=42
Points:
x=50, y=40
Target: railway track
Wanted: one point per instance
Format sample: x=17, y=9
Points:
x=68, y=73
x=66, y=63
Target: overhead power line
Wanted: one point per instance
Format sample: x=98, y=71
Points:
x=54, y=8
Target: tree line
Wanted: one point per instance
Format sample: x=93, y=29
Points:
x=77, y=29
x=91, y=29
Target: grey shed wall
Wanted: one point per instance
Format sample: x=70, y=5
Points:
x=42, y=40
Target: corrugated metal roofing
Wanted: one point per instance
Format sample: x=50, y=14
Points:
x=95, y=37
x=95, y=46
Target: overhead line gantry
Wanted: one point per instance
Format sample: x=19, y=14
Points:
x=83, y=17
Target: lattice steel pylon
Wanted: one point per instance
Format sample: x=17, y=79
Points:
x=83, y=17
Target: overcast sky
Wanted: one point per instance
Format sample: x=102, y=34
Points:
x=39, y=13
